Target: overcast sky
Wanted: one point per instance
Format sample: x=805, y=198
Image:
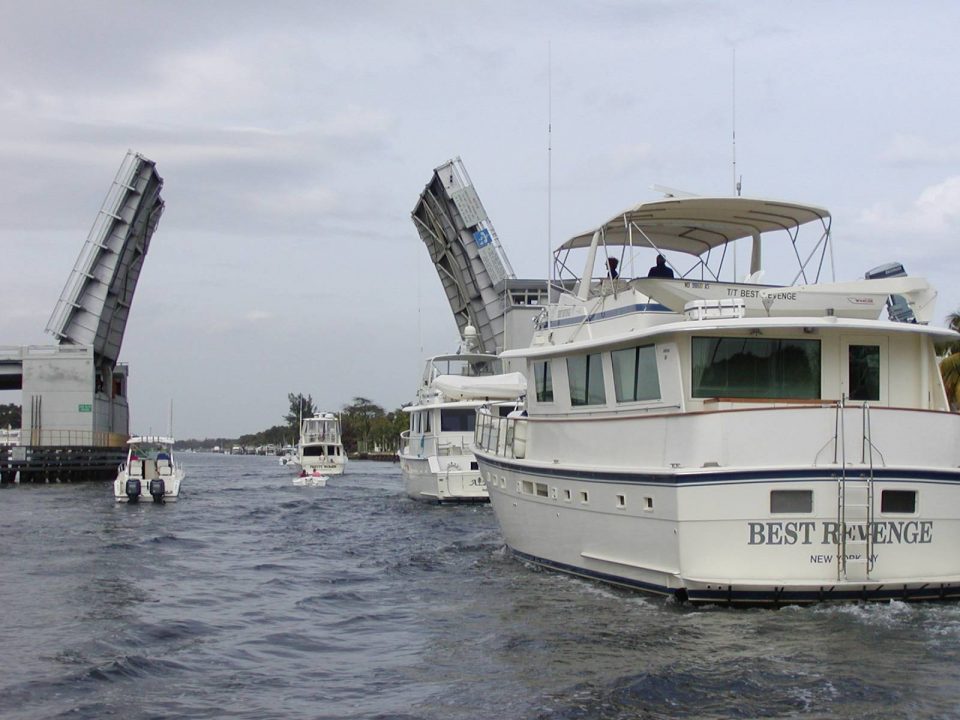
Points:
x=295, y=137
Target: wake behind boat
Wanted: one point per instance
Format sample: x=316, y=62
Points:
x=150, y=471
x=725, y=441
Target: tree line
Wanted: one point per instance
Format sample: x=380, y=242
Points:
x=365, y=426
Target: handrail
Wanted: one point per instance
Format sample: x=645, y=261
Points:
x=497, y=434
x=840, y=438
x=868, y=449
x=45, y=437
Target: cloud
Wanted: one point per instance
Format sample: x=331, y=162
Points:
x=626, y=158
x=935, y=214
x=921, y=234
x=258, y=316
x=913, y=150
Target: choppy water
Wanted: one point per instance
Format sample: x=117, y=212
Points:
x=252, y=598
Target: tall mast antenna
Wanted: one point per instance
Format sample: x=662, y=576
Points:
x=549, y=173
x=736, y=183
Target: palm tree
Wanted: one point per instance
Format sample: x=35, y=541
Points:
x=301, y=406
x=950, y=363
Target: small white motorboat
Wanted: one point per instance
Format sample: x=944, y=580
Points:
x=311, y=479
x=289, y=456
x=149, y=471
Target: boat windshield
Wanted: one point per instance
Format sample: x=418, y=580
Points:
x=149, y=451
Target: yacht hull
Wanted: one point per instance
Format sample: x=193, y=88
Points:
x=333, y=468
x=703, y=536
x=440, y=479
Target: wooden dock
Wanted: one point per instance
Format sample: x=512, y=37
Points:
x=59, y=463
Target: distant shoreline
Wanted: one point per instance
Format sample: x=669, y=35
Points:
x=382, y=457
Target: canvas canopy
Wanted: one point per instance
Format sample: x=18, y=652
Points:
x=697, y=225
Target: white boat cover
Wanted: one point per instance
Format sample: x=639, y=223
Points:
x=507, y=386
x=699, y=224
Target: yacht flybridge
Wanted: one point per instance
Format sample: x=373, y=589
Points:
x=722, y=439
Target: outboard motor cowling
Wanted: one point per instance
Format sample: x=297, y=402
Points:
x=157, y=489
x=898, y=309
x=133, y=489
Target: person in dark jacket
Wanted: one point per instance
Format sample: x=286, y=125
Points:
x=660, y=269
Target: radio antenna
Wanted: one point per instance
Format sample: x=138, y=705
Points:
x=736, y=182
x=549, y=175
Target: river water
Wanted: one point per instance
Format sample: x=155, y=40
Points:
x=254, y=598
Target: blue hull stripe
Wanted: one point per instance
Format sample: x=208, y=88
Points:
x=731, y=595
x=714, y=477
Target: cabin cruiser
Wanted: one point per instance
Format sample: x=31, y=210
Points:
x=289, y=455
x=320, y=450
x=436, y=452
x=150, y=471
x=731, y=441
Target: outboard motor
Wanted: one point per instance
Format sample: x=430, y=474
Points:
x=898, y=309
x=157, y=489
x=133, y=489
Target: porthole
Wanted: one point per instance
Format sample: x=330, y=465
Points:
x=791, y=501
x=898, y=501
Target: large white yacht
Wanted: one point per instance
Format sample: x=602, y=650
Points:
x=436, y=453
x=320, y=451
x=731, y=442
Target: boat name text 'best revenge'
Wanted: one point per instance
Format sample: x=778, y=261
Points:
x=908, y=532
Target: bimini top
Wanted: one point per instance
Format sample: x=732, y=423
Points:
x=150, y=440
x=698, y=224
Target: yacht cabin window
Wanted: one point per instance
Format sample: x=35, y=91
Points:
x=635, y=374
x=864, y=368
x=544, y=381
x=755, y=367
x=585, y=376
x=420, y=422
x=458, y=419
